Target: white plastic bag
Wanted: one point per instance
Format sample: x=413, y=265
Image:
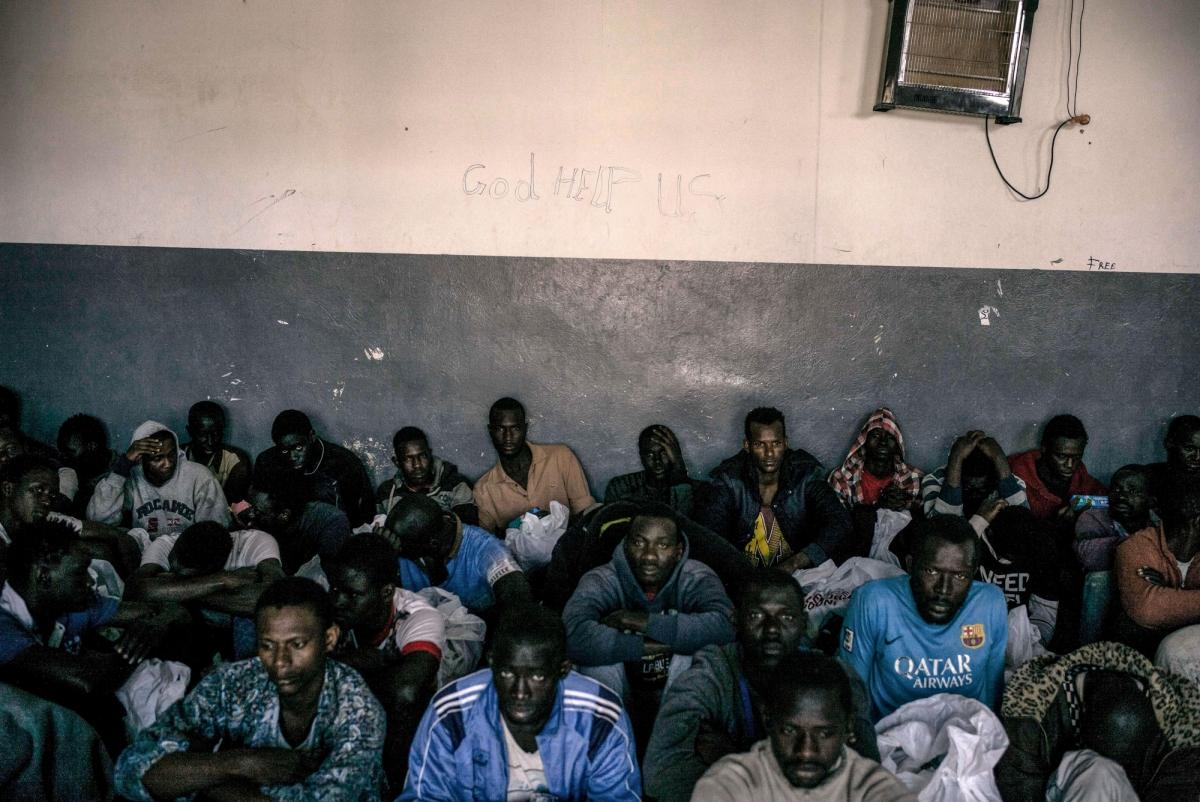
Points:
x=1024, y=641
x=533, y=543
x=827, y=588
x=153, y=686
x=888, y=524
x=944, y=748
x=464, y=635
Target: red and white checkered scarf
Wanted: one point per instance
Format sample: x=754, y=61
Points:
x=847, y=480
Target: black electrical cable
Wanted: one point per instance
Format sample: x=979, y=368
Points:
x=1049, y=172
x=1074, y=57
x=1078, y=56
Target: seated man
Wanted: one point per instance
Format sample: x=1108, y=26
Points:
x=1055, y=472
x=49, y=615
x=527, y=728
x=1061, y=715
x=153, y=487
x=1182, y=445
x=809, y=714
x=663, y=478
x=27, y=491
x=231, y=466
x=527, y=475
x=934, y=631
x=874, y=477
x=774, y=503
x=390, y=635
x=1160, y=593
x=1100, y=530
x=83, y=444
x=718, y=705
x=419, y=472
x=302, y=528
x=629, y=619
x=591, y=539
x=334, y=475
x=437, y=549
x=214, y=569
x=975, y=483
x=288, y=724
x=1018, y=557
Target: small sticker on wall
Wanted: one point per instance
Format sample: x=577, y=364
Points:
x=986, y=313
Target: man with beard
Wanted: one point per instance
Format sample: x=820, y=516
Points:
x=718, y=705
x=773, y=502
x=933, y=631
x=804, y=757
x=634, y=623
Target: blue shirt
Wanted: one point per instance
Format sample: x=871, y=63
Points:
x=901, y=657
x=586, y=745
x=480, y=562
x=18, y=633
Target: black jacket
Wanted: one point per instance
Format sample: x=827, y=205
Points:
x=807, y=509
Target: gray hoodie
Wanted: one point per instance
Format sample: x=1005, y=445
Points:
x=709, y=692
x=690, y=612
x=192, y=494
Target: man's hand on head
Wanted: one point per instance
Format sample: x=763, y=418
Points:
x=146, y=447
x=964, y=445
x=665, y=438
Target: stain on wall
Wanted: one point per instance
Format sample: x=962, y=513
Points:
x=366, y=343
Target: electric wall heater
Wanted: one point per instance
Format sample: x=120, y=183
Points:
x=957, y=56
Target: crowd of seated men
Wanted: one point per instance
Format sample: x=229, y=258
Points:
x=664, y=652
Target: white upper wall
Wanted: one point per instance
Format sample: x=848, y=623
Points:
x=349, y=127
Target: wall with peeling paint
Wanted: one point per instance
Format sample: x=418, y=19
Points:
x=725, y=132
x=366, y=343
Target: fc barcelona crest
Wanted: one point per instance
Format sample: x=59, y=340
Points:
x=972, y=635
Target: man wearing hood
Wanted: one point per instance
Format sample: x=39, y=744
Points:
x=629, y=621
x=773, y=502
x=157, y=487
x=418, y=471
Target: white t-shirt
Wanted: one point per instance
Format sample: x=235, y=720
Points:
x=250, y=547
x=526, y=774
x=1183, y=569
x=414, y=626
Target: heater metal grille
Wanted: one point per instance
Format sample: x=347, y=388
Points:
x=961, y=56
x=960, y=46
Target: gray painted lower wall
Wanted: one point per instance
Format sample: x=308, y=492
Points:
x=366, y=343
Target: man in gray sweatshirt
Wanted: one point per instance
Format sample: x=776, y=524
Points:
x=718, y=706
x=633, y=623
x=153, y=486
